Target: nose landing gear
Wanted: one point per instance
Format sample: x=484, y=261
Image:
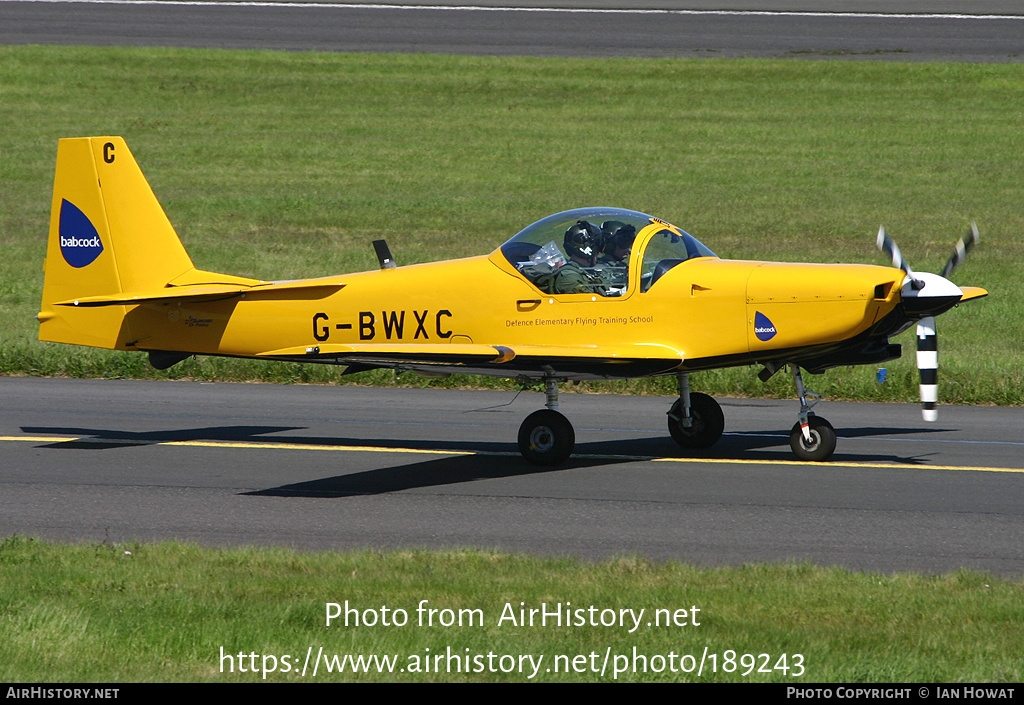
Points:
x=812, y=437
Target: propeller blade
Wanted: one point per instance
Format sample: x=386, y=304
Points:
x=890, y=248
x=887, y=245
x=928, y=366
x=941, y=295
x=964, y=246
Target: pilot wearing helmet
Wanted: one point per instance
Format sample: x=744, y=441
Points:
x=583, y=246
x=613, y=262
x=617, y=243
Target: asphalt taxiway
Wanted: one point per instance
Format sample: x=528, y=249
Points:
x=319, y=467
x=892, y=30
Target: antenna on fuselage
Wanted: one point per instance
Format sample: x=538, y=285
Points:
x=384, y=254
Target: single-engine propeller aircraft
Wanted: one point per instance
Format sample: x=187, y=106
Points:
x=592, y=293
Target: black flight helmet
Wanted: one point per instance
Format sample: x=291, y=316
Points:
x=583, y=240
x=617, y=236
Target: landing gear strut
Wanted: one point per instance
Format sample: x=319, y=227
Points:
x=695, y=419
x=546, y=436
x=812, y=437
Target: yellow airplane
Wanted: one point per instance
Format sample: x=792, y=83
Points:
x=592, y=293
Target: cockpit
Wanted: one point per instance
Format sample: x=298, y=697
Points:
x=595, y=251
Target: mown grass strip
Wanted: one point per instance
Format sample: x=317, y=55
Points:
x=171, y=612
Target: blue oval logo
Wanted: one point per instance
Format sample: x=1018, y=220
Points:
x=79, y=242
x=764, y=329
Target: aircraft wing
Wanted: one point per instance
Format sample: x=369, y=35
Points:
x=532, y=361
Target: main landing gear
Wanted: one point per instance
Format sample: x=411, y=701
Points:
x=694, y=421
x=546, y=436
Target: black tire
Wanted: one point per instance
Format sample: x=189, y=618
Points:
x=823, y=440
x=546, y=438
x=707, y=422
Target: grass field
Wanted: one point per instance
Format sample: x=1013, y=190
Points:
x=286, y=165
x=171, y=612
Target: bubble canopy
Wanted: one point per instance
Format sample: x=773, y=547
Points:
x=668, y=246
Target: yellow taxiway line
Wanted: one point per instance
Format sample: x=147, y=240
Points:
x=277, y=445
x=232, y=444
x=837, y=464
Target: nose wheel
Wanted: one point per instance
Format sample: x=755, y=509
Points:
x=817, y=444
x=812, y=437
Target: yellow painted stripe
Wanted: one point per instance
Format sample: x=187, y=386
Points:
x=232, y=444
x=835, y=464
x=303, y=446
x=422, y=451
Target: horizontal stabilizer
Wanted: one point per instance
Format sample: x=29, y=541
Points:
x=210, y=292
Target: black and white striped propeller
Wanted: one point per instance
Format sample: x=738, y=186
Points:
x=924, y=296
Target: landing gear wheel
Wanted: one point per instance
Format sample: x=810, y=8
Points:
x=706, y=422
x=546, y=438
x=823, y=440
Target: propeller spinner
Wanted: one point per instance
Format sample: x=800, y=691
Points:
x=928, y=295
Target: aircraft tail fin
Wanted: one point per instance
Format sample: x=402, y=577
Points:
x=108, y=235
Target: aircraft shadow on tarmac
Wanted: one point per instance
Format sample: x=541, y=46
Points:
x=488, y=459
x=430, y=473
x=104, y=439
x=488, y=466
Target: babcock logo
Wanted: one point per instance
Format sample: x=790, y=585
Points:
x=79, y=242
x=763, y=328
